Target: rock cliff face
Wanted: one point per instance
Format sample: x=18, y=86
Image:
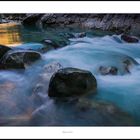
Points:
x=5, y=18
x=119, y=23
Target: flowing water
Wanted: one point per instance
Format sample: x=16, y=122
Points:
x=18, y=105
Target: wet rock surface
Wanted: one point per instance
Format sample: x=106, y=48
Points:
x=3, y=50
x=81, y=112
x=19, y=59
x=71, y=82
x=119, y=23
x=32, y=19
x=55, y=43
x=129, y=39
x=108, y=70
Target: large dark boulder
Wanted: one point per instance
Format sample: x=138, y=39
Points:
x=19, y=59
x=72, y=82
x=3, y=50
x=32, y=19
x=129, y=39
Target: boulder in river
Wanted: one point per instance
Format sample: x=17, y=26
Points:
x=3, y=50
x=72, y=82
x=19, y=59
x=79, y=35
x=129, y=39
x=108, y=70
x=56, y=42
x=32, y=19
x=50, y=44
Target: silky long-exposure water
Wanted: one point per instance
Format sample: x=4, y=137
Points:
x=20, y=106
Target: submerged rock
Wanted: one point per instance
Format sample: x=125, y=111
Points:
x=50, y=44
x=117, y=39
x=73, y=35
x=52, y=67
x=3, y=50
x=48, y=71
x=124, y=66
x=42, y=84
x=83, y=112
x=56, y=42
x=19, y=59
x=111, y=114
x=108, y=70
x=79, y=35
x=70, y=82
x=129, y=39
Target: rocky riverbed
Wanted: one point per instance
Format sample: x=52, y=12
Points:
x=62, y=75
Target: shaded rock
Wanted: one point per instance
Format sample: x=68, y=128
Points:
x=19, y=59
x=69, y=82
x=3, y=50
x=83, y=112
x=49, y=44
x=107, y=110
x=56, y=42
x=108, y=70
x=67, y=35
x=129, y=39
x=117, y=39
x=73, y=35
x=79, y=35
x=127, y=65
x=32, y=19
x=119, y=23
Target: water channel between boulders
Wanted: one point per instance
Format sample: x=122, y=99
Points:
x=66, y=52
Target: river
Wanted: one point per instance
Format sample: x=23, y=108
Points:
x=96, y=49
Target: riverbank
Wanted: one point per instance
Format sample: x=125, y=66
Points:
x=118, y=23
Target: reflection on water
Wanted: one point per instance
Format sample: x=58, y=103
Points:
x=13, y=34
x=10, y=34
